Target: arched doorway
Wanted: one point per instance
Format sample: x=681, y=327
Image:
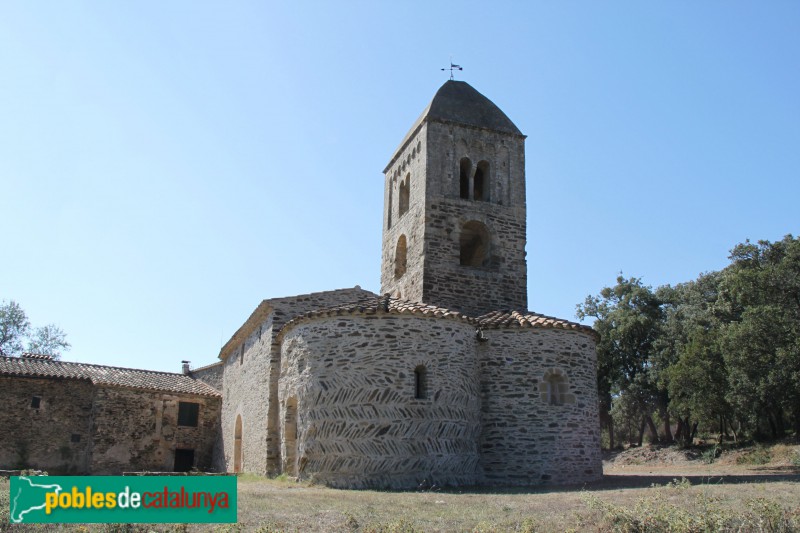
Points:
x=290, y=438
x=237, y=446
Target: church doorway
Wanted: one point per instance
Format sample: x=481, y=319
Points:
x=237, y=446
x=290, y=438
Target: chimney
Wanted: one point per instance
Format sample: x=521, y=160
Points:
x=185, y=367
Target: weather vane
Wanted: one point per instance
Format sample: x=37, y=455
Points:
x=453, y=67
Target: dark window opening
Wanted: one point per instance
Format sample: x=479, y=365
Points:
x=405, y=189
x=188, y=413
x=480, y=190
x=420, y=383
x=474, y=244
x=36, y=402
x=465, y=171
x=400, y=257
x=75, y=438
x=241, y=354
x=184, y=460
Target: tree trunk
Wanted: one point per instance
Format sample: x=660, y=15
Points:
x=679, y=430
x=653, y=429
x=772, y=427
x=797, y=422
x=781, y=427
x=642, y=427
x=668, y=438
x=611, y=432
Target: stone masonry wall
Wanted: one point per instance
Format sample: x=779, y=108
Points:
x=525, y=440
x=211, y=374
x=136, y=430
x=410, y=162
x=502, y=283
x=44, y=437
x=349, y=415
x=245, y=390
x=250, y=383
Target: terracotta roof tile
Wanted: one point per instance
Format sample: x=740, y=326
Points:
x=375, y=305
x=505, y=319
x=37, y=367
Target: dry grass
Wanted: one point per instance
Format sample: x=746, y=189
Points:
x=632, y=497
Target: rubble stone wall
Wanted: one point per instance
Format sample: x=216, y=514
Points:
x=136, y=430
x=350, y=416
x=56, y=435
x=530, y=434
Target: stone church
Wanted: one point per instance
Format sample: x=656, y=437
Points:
x=445, y=378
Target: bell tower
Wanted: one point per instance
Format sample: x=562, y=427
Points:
x=454, y=226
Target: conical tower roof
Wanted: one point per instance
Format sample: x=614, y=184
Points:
x=458, y=101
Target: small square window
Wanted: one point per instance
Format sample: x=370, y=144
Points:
x=36, y=402
x=75, y=438
x=188, y=413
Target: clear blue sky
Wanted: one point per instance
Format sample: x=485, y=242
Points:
x=164, y=166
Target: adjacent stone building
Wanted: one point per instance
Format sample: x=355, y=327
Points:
x=446, y=378
x=75, y=418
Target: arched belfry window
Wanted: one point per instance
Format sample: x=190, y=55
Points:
x=420, y=383
x=405, y=189
x=465, y=173
x=400, y=257
x=480, y=187
x=474, y=244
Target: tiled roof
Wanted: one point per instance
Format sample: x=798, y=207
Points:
x=515, y=319
x=493, y=320
x=376, y=305
x=275, y=304
x=37, y=367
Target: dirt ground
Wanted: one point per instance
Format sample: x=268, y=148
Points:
x=644, y=489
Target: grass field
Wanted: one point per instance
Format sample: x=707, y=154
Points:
x=643, y=490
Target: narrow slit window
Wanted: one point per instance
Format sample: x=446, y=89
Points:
x=420, y=383
x=36, y=402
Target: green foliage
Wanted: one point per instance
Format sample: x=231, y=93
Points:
x=721, y=352
x=14, y=328
x=17, y=336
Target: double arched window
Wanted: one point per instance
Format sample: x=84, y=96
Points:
x=474, y=183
